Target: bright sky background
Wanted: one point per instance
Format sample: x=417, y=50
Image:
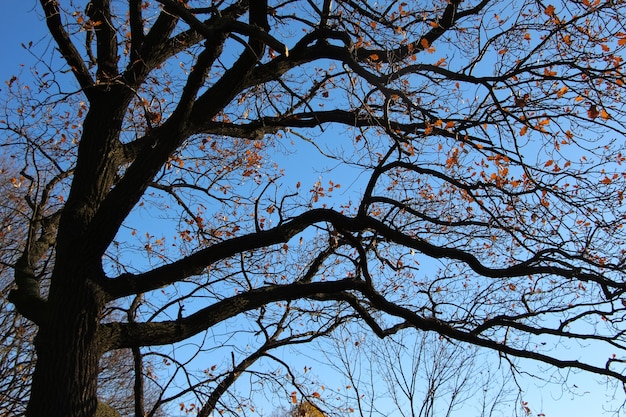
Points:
x=20, y=24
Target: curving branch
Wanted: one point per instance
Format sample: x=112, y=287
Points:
x=444, y=329
x=538, y=264
x=121, y=335
x=66, y=46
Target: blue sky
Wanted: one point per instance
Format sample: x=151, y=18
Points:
x=20, y=24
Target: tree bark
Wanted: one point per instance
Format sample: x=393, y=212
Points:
x=68, y=353
x=67, y=345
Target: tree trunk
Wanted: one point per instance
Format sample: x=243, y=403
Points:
x=65, y=378
x=68, y=352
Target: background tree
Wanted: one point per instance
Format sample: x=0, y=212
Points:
x=17, y=356
x=477, y=191
x=419, y=375
x=16, y=352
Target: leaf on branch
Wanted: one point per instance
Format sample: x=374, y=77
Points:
x=593, y=112
x=426, y=46
x=523, y=130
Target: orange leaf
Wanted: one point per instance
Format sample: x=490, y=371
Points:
x=567, y=39
x=424, y=42
x=593, y=112
x=523, y=130
x=429, y=129
x=604, y=115
x=562, y=92
x=549, y=10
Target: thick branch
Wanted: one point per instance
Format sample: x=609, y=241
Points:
x=128, y=284
x=66, y=47
x=27, y=296
x=99, y=12
x=432, y=324
x=136, y=28
x=165, y=139
x=121, y=335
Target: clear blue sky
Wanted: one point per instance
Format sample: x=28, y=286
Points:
x=20, y=23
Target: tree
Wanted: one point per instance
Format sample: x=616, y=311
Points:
x=16, y=354
x=420, y=375
x=480, y=141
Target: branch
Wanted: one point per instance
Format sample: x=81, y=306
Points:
x=99, y=11
x=165, y=139
x=257, y=29
x=66, y=47
x=136, y=29
x=448, y=19
x=194, y=264
x=124, y=335
x=442, y=328
x=27, y=296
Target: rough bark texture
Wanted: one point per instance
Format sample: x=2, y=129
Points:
x=67, y=344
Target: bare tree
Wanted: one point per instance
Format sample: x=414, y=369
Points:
x=16, y=349
x=466, y=158
x=416, y=375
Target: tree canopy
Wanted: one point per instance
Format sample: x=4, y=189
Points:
x=204, y=183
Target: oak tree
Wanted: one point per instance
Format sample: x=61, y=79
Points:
x=225, y=179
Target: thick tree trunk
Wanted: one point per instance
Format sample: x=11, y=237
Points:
x=65, y=378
